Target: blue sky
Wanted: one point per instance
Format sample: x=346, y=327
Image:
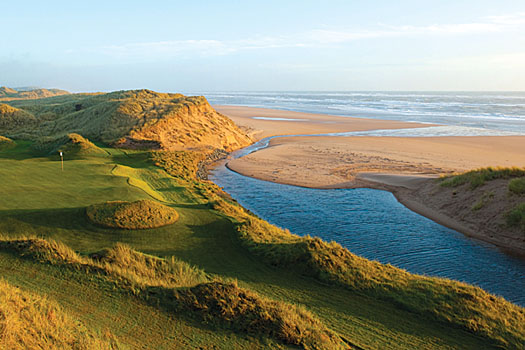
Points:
x=197, y=46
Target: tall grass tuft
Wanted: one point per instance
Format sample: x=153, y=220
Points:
x=517, y=186
x=177, y=286
x=28, y=321
x=140, y=214
x=226, y=304
x=516, y=217
x=478, y=177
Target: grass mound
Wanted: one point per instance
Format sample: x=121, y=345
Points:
x=147, y=270
x=28, y=321
x=72, y=145
x=6, y=143
x=478, y=177
x=7, y=94
x=517, y=186
x=516, y=217
x=12, y=118
x=141, y=214
x=177, y=286
x=226, y=304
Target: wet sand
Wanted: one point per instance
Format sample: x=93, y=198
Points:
x=279, y=122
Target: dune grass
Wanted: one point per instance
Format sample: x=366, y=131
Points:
x=516, y=217
x=517, y=186
x=29, y=321
x=135, y=119
x=478, y=177
x=6, y=143
x=224, y=304
x=136, y=215
x=71, y=145
x=354, y=297
x=449, y=301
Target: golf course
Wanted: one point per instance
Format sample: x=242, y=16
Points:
x=123, y=242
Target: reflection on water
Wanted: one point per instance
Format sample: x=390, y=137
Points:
x=373, y=224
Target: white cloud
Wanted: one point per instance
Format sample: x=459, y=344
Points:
x=314, y=38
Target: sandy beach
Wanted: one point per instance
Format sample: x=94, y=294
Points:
x=339, y=162
x=403, y=165
x=263, y=122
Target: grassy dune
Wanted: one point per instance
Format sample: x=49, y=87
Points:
x=7, y=94
x=141, y=119
x=132, y=215
x=159, y=281
x=29, y=321
x=218, y=275
x=502, y=186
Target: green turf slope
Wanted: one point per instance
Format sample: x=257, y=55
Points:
x=38, y=198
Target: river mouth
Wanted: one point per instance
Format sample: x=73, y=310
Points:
x=373, y=224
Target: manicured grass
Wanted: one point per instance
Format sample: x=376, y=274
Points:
x=53, y=207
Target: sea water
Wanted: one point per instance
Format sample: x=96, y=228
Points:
x=494, y=112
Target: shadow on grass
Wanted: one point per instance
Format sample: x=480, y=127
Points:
x=133, y=160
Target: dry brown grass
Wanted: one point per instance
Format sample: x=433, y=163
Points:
x=141, y=214
x=6, y=143
x=226, y=304
x=7, y=94
x=28, y=321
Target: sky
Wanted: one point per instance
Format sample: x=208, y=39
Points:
x=205, y=46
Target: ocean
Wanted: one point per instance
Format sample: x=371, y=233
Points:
x=459, y=113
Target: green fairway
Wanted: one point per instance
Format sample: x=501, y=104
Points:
x=38, y=198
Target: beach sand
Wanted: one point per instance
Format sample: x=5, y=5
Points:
x=405, y=166
x=298, y=123
x=338, y=162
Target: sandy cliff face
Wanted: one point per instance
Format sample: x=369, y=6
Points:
x=192, y=123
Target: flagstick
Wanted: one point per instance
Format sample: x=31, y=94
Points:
x=62, y=160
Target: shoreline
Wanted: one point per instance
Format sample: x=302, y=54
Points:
x=398, y=165
x=404, y=197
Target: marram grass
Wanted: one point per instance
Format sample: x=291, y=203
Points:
x=136, y=215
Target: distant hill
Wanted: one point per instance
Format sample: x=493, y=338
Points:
x=8, y=94
x=130, y=119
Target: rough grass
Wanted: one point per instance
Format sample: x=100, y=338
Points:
x=12, y=118
x=516, y=217
x=226, y=304
x=6, y=143
x=176, y=286
x=517, y=186
x=28, y=321
x=181, y=164
x=478, y=177
x=7, y=94
x=449, y=301
x=142, y=214
x=129, y=119
x=72, y=145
